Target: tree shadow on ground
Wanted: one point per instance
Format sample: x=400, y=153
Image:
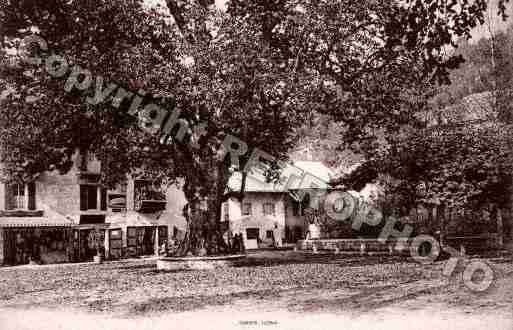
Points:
x=365, y=301
x=290, y=258
x=188, y=303
x=138, y=267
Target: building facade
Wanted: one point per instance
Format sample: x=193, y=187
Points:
x=71, y=217
x=273, y=215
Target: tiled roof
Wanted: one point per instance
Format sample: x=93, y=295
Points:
x=315, y=172
x=316, y=168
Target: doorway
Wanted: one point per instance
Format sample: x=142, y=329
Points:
x=140, y=241
x=252, y=238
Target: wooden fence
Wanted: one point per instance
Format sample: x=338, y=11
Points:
x=485, y=228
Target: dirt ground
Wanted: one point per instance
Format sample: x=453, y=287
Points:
x=279, y=290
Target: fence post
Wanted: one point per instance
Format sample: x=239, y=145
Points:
x=500, y=234
x=434, y=220
x=156, y=242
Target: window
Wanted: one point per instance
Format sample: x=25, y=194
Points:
x=269, y=234
x=226, y=212
x=20, y=196
x=269, y=209
x=89, y=197
x=246, y=208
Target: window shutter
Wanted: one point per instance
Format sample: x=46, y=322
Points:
x=9, y=205
x=83, y=198
x=226, y=212
x=9, y=194
x=104, y=200
x=32, y=196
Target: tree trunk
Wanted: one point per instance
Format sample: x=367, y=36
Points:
x=443, y=219
x=500, y=232
x=204, y=235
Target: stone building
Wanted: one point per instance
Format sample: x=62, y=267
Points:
x=51, y=219
x=71, y=217
x=272, y=213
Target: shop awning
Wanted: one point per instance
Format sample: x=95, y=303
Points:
x=35, y=222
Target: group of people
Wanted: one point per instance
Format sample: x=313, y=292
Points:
x=235, y=243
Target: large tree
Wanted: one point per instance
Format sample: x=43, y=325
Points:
x=251, y=72
x=463, y=158
x=223, y=79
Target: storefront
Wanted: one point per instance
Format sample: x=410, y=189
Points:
x=40, y=240
x=88, y=241
x=35, y=241
x=138, y=234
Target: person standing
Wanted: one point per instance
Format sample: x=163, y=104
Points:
x=313, y=231
x=236, y=244
x=277, y=236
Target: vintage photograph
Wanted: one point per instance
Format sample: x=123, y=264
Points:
x=256, y=164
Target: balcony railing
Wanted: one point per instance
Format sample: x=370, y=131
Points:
x=148, y=200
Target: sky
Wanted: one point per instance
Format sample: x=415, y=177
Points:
x=496, y=22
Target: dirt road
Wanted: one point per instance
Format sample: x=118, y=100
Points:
x=270, y=292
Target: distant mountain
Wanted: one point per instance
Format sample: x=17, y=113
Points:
x=472, y=108
x=320, y=140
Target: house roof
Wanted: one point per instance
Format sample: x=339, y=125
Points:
x=309, y=174
x=316, y=168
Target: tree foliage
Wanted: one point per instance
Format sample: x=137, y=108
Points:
x=254, y=71
x=467, y=166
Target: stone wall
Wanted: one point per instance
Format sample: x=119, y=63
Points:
x=353, y=245
x=57, y=192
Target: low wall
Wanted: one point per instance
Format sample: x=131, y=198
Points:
x=471, y=244
x=355, y=245
x=197, y=263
